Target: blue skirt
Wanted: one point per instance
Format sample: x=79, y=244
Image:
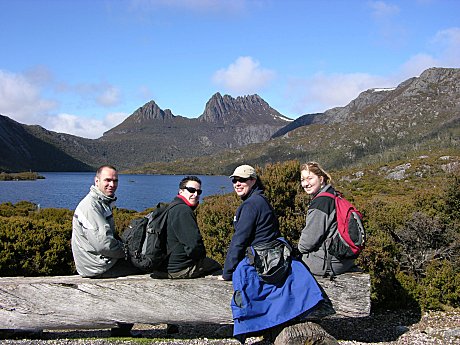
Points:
x=257, y=305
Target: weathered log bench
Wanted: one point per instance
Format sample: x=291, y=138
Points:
x=72, y=302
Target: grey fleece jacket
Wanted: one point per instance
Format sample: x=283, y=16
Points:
x=320, y=223
x=94, y=246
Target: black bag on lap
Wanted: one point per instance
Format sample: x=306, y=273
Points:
x=272, y=260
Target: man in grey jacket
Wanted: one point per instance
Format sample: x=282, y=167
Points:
x=97, y=251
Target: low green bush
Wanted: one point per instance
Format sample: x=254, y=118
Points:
x=412, y=250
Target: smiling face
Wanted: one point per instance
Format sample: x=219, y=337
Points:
x=107, y=181
x=191, y=192
x=243, y=186
x=310, y=182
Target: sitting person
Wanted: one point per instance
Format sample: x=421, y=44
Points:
x=96, y=249
x=259, y=305
x=320, y=223
x=187, y=257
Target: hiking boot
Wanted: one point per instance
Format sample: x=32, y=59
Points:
x=122, y=330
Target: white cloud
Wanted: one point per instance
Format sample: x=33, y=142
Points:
x=21, y=99
x=446, y=53
x=244, y=76
x=39, y=75
x=109, y=96
x=448, y=43
x=103, y=93
x=416, y=65
x=382, y=10
x=113, y=119
x=81, y=126
x=324, y=91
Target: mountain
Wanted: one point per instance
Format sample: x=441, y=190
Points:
x=379, y=125
x=153, y=134
x=22, y=150
x=303, y=120
x=421, y=112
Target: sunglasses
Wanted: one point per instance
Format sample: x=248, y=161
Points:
x=193, y=190
x=239, y=179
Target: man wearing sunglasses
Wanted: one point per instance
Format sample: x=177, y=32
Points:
x=184, y=242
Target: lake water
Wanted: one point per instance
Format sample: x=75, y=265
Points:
x=135, y=192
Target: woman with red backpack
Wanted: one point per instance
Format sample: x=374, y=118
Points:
x=321, y=224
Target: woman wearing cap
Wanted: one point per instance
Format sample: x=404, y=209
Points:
x=254, y=222
x=256, y=304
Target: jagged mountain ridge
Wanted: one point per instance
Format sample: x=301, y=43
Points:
x=219, y=110
x=153, y=134
x=421, y=109
x=226, y=123
x=379, y=125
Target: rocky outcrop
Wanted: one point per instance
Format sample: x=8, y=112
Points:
x=435, y=88
x=247, y=109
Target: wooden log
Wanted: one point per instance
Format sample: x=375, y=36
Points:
x=350, y=294
x=34, y=303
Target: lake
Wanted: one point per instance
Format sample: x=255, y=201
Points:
x=135, y=192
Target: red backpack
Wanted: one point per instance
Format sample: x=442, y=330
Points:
x=348, y=241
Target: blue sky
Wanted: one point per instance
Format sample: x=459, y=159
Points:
x=82, y=67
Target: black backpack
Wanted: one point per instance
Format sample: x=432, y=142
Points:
x=145, y=239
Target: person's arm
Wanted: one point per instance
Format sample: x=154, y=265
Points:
x=100, y=232
x=244, y=233
x=315, y=231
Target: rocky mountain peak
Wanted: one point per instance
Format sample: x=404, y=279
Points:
x=150, y=111
x=226, y=109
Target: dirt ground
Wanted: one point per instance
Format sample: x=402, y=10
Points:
x=394, y=328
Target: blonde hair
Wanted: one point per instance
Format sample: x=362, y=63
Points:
x=316, y=169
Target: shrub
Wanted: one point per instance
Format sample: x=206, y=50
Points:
x=412, y=251
x=440, y=288
x=215, y=220
x=33, y=247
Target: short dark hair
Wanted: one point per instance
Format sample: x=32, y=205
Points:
x=99, y=170
x=184, y=181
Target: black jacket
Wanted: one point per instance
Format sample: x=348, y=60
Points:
x=255, y=222
x=183, y=237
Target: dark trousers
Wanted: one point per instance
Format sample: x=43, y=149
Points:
x=200, y=268
x=122, y=268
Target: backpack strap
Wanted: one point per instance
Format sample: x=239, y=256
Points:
x=327, y=263
x=165, y=218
